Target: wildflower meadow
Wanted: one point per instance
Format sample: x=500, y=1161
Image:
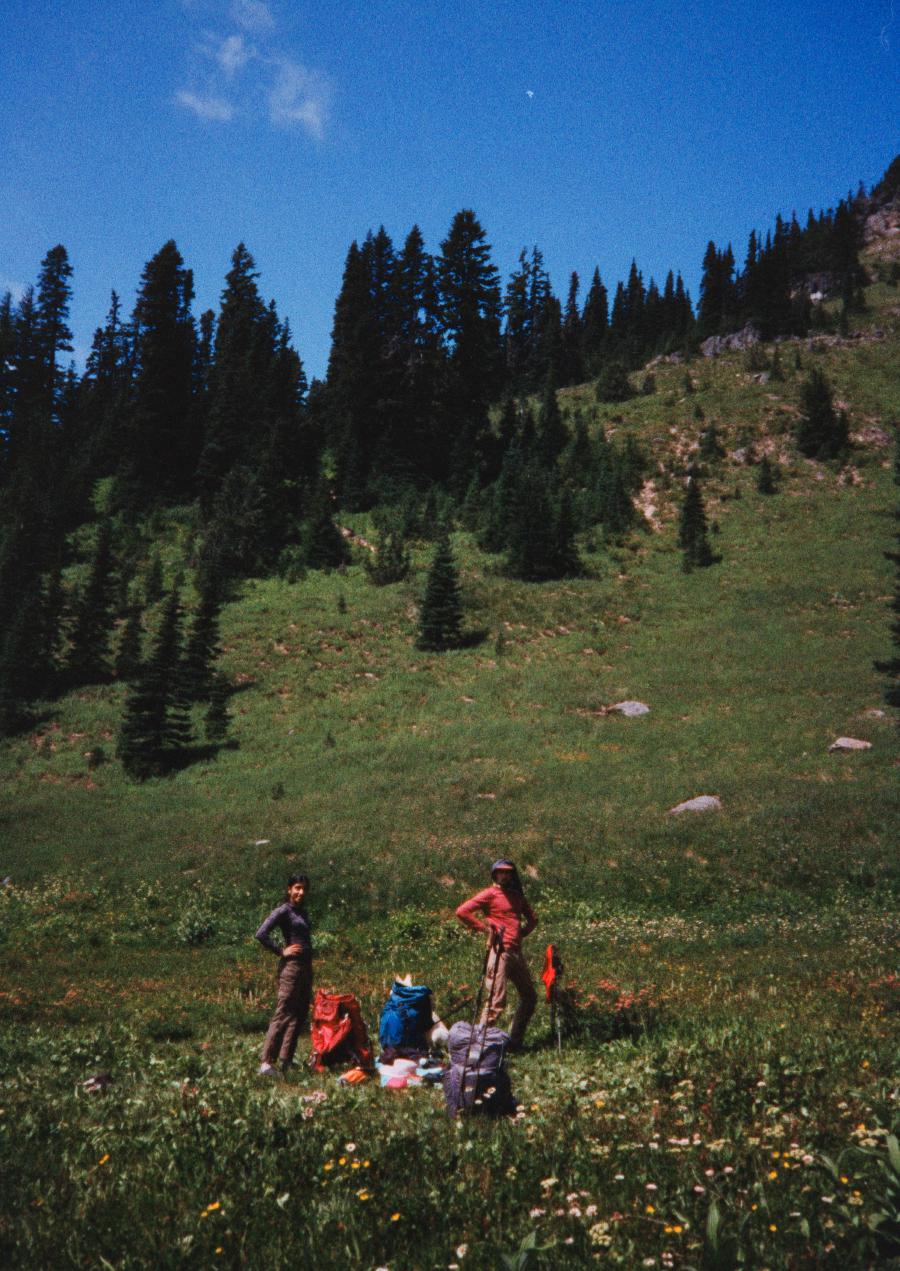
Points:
x=721, y=1090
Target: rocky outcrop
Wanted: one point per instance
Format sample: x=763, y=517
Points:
x=884, y=223
x=743, y=339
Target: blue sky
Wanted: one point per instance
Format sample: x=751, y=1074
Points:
x=599, y=131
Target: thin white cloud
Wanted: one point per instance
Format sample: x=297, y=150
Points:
x=250, y=70
x=233, y=54
x=299, y=96
x=206, y=106
x=252, y=15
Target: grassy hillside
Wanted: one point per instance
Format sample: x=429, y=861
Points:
x=748, y=1126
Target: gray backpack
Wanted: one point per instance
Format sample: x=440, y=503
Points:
x=476, y=1080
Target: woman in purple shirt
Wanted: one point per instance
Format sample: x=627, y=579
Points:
x=294, y=973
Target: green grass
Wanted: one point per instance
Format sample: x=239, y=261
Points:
x=767, y=930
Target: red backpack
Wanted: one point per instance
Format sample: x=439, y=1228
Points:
x=339, y=1033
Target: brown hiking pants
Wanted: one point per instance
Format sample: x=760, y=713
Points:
x=294, y=988
x=503, y=968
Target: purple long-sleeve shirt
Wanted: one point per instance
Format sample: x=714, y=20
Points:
x=294, y=926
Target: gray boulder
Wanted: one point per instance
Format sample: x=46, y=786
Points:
x=702, y=803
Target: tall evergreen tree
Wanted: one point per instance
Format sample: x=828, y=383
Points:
x=594, y=325
x=572, y=355
x=255, y=418
x=160, y=461
x=414, y=361
x=469, y=299
x=105, y=396
x=352, y=385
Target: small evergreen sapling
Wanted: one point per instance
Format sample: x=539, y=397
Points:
x=155, y=726
x=692, y=530
x=201, y=649
x=390, y=562
x=441, y=615
x=216, y=719
x=766, y=477
x=823, y=431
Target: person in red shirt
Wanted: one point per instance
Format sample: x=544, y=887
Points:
x=502, y=911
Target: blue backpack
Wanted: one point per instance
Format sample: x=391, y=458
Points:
x=406, y=1017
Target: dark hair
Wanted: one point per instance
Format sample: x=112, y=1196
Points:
x=516, y=884
x=296, y=878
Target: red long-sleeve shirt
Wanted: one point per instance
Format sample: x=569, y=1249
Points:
x=504, y=910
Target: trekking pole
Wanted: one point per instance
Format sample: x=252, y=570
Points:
x=494, y=947
x=444, y=1016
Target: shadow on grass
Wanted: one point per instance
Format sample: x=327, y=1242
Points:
x=474, y=638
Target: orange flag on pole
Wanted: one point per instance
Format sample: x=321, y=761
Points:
x=552, y=967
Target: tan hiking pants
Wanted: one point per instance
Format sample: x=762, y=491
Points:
x=294, y=987
x=502, y=968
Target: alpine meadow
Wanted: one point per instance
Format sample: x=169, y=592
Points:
x=519, y=578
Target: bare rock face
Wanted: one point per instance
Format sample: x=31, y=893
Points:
x=631, y=709
x=743, y=339
x=849, y=743
x=885, y=223
x=702, y=803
